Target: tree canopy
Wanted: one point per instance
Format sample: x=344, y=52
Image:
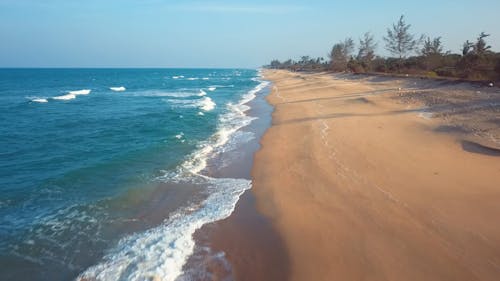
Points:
x=341, y=54
x=399, y=41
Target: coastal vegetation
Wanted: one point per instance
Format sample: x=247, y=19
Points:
x=409, y=54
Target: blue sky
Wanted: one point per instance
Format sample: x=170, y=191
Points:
x=161, y=33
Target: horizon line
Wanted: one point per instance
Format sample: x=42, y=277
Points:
x=128, y=67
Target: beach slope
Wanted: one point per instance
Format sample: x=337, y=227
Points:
x=364, y=183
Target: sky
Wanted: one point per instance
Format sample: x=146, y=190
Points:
x=226, y=34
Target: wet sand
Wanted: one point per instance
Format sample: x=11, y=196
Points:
x=361, y=182
x=245, y=246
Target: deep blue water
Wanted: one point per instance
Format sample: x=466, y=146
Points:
x=77, y=158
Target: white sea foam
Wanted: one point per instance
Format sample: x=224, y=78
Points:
x=205, y=78
x=179, y=136
x=180, y=94
x=39, y=100
x=193, y=78
x=72, y=95
x=230, y=122
x=160, y=253
x=80, y=92
x=178, y=77
x=207, y=104
x=65, y=97
x=202, y=93
x=118, y=89
x=252, y=94
x=236, y=140
x=211, y=89
x=181, y=103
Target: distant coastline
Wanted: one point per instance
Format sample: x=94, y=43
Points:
x=410, y=54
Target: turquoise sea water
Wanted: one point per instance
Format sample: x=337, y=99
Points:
x=105, y=173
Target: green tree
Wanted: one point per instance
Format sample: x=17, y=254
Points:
x=399, y=41
x=276, y=64
x=481, y=48
x=304, y=60
x=432, y=53
x=475, y=61
x=288, y=63
x=341, y=54
x=366, y=52
x=467, y=48
x=432, y=47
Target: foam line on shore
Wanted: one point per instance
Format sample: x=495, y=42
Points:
x=160, y=253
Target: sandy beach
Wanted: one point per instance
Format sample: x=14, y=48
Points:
x=375, y=178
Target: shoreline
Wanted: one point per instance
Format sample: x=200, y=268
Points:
x=245, y=245
x=361, y=179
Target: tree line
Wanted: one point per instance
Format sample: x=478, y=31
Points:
x=410, y=54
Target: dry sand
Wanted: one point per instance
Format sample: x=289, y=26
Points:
x=362, y=184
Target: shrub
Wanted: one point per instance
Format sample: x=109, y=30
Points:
x=446, y=71
x=355, y=66
x=497, y=69
x=431, y=74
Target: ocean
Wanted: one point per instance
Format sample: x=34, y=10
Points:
x=105, y=174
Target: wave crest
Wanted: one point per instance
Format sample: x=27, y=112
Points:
x=79, y=92
x=65, y=97
x=39, y=100
x=118, y=89
x=207, y=104
x=72, y=95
